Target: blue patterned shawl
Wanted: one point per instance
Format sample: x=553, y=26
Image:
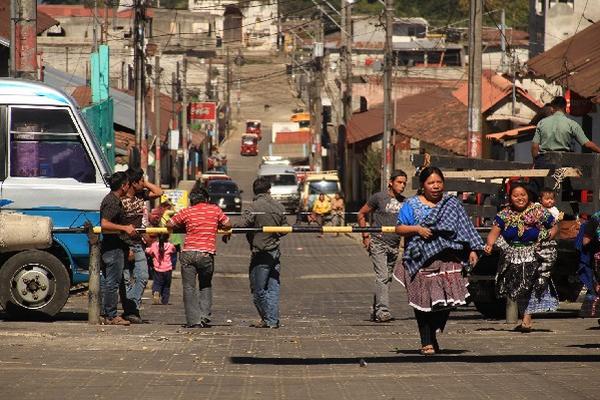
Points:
x=452, y=229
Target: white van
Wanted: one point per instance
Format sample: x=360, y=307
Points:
x=284, y=186
x=51, y=165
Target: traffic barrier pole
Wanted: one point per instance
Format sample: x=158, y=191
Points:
x=94, y=277
x=265, y=229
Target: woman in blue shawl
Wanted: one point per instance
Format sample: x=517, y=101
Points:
x=440, y=241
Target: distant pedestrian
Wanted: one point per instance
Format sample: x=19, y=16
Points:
x=338, y=211
x=265, y=267
x=321, y=209
x=383, y=248
x=524, y=233
x=114, y=249
x=201, y=221
x=161, y=252
x=440, y=241
x=135, y=274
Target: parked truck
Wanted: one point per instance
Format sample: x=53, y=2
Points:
x=51, y=166
x=482, y=184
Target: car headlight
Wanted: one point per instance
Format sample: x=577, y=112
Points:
x=237, y=200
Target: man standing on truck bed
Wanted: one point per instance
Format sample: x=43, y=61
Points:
x=135, y=274
x=114, y=249
x=555, y=133
x=383, y=248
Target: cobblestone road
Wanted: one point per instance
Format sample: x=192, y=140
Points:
x=326, y=348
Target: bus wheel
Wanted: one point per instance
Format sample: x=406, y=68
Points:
x=33, y=283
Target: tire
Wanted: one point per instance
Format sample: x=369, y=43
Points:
x=49, y=288
x=483, y=296
x=496, y=310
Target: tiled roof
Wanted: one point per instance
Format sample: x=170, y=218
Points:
x=494, y=87
x=573, y=63
x=44, y=21
x=64, y=10
x=437, y=116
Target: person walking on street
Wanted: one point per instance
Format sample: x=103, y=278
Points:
x=265, y=267
x=383, y=248
x=201, y=221
x=440, y=242
x=524, y=233
x=161, y=252
x=114, y=249
x=135, y=274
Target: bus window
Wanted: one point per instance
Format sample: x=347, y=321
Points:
x=46, y=143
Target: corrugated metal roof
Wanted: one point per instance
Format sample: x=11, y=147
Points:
x=573, y=63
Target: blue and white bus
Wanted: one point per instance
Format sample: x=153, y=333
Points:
x=50, y=165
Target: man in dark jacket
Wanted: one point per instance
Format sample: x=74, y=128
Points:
x=264, y=262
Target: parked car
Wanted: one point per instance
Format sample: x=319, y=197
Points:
x=225, y=194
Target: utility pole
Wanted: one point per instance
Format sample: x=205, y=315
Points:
x=474, y=145
x=139, y=63
x=23, y=29
x=95, y=27
x=388, y=123
x=503, y=41
x=315, y=97
x=228, y=93
x=157, y=134
x=346, y=77
x=174, y=126
x=184, y=124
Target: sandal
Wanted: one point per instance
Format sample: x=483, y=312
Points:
x=427, y=350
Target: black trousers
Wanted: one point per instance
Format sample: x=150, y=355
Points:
x=429, y=323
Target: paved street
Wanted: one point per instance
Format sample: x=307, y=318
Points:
x=326, y=348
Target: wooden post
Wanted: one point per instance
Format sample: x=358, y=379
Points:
x=94, y=282
x=512, y=311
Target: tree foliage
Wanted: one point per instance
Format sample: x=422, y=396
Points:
x=439, y=13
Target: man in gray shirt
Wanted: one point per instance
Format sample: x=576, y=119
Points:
x=264, y=262
x=383, y=248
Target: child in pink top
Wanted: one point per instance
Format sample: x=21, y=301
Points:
x=161, y=252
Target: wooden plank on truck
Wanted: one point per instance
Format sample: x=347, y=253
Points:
x=507, y=173
x=456, y=162
x=475, y=210
x=465, y=185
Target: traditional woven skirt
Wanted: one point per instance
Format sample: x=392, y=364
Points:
x=518, y=275
x=436, y=287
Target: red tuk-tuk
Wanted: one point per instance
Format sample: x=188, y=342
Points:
x=253, y=126
x=249, y=145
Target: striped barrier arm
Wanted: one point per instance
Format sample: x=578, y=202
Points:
x=264, y=229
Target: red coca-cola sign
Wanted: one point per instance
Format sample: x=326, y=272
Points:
x=203, y=111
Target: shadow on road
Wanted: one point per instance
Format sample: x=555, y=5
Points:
x=412, y=357
x=62, y=316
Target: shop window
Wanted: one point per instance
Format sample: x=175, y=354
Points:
x=45, y=143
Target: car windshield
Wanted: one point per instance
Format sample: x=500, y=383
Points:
x=281, y=180
x=249, y=141
x=327, y=187
x=222, y=187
